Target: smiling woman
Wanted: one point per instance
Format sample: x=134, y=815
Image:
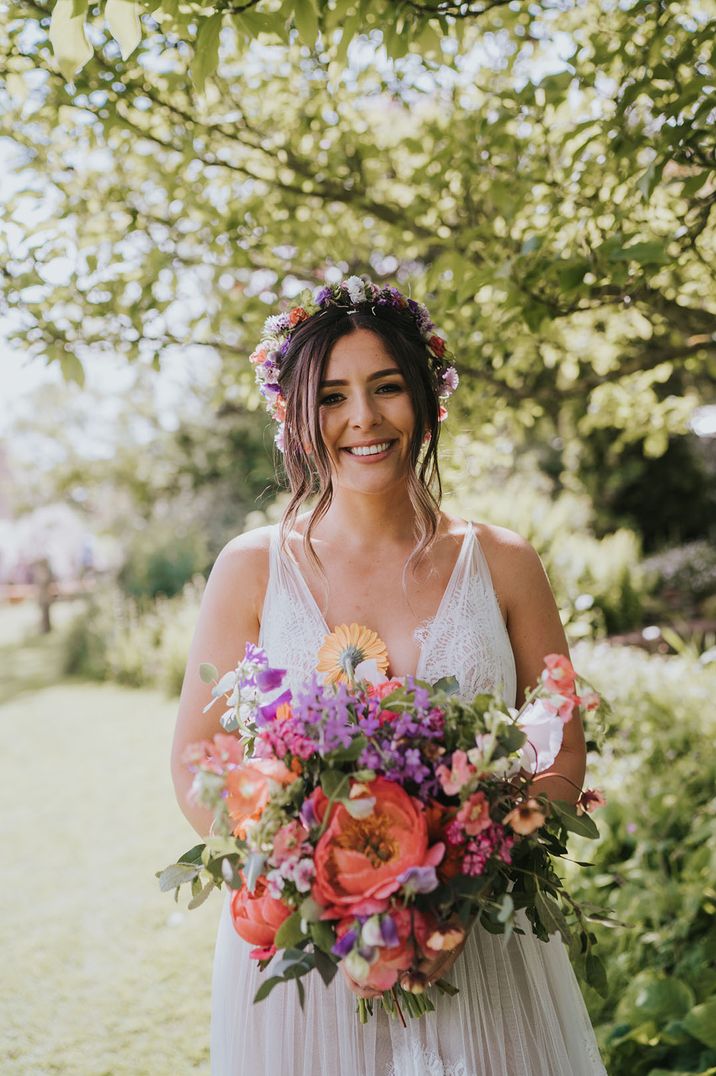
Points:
x=357, y=385
x=338, y=407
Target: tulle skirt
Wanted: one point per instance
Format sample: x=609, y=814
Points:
x=519, y=1012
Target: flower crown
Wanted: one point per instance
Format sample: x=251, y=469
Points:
x=355, y=292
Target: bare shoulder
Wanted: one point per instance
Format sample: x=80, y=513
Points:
x=514, y=563
x=243, y=564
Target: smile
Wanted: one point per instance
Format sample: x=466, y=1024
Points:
x=379, y=449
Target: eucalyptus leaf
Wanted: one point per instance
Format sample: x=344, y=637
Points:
x=199, y=898
x=208, y=672
x=177, y=874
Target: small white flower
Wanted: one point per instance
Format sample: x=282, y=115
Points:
x=276, y=323
x=355, y=288
x=274, y=884
x=371, y=933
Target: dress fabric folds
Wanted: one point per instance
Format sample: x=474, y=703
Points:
x=519, y=1010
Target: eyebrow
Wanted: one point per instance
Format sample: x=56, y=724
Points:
x=373, y=377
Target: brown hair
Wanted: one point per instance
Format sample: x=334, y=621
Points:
x=302, y=370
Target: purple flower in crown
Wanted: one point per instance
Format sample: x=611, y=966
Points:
x=323, y=295
x=449, y=381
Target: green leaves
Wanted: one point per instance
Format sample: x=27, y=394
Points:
x=176, y=875
x=68, y=37
x=208, y=672
x=123, y=23
x=290, y=932
x=206, y=51
x=575, y=823
x=305, y=16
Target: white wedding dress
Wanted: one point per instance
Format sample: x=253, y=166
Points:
x=519, y=1010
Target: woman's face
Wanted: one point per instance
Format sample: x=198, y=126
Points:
x=366, y=414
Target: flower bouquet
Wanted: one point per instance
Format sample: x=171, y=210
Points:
x=373, y=822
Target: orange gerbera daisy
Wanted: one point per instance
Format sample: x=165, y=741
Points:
x=345, y=648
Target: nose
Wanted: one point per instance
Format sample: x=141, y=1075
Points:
x=365, y=411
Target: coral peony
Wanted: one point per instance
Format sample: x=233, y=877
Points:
x=256, y=917
x=359, y=860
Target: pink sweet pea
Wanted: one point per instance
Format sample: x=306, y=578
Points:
x=474, y=815
x=453, y=779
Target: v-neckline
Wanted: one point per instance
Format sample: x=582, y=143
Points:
x=431, y=621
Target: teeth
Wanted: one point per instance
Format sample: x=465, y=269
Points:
x=370, y=450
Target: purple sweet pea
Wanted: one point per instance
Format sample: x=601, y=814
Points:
x=268, y=712
x=389, y=931
x=255, y=655
x=308, y=815
x=344, y=945
x=418, y=880
x=269, y=679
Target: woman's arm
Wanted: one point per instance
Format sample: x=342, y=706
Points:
x=228, y=619
x=535, y=630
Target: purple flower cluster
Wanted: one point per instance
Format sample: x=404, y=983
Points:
x=396, y=747
x=319, y=722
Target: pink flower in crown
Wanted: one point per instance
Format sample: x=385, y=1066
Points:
x=458, y=775
x=442, y=413
x=258, y=356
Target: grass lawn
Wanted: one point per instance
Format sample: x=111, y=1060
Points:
x=101, y=973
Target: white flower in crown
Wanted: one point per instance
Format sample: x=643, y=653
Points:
x=276, y=323
x=355, y=288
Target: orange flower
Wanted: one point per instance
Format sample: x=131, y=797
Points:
x=256, y=917
x=358, y=860
x=279, y=410
x=525, y=818
x=249, y=788
x=345, y=648
x=297, y=315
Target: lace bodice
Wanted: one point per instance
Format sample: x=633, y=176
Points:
x=466, y=637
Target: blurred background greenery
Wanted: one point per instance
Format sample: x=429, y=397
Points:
x=543, y=177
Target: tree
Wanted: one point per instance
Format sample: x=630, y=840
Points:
x=559, y=224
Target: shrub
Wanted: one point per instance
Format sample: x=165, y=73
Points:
x=115, y=638
x=161, y=561
x=653, y=865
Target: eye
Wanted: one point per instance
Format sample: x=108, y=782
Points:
x=331, y=398
x=391, y=386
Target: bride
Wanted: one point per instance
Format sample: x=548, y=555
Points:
x=355, y=379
